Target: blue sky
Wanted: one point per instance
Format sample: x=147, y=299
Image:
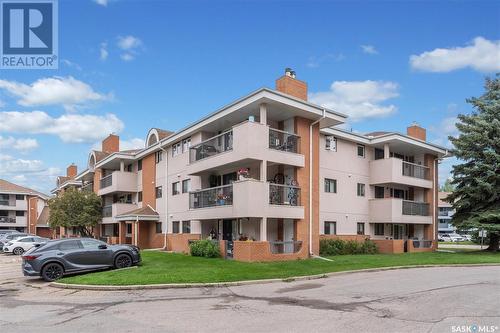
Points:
x=126, y=66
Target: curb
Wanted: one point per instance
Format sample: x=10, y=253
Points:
x=247, y=282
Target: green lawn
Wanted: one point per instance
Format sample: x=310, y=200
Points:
x=160, y=267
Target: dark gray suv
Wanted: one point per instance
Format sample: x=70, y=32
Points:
x=56, y=258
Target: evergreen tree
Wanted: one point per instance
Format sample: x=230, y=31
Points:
x=476, y=198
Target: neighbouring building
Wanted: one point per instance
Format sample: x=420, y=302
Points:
x=268, y=176
x=445, y=213
x=23, y=209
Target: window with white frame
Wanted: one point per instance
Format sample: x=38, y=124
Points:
x=158, y=156
x=159, y=192
x=175, y=227
x=186, y=227
x=176, y=149
x=330, y=228
x=186, y=185
x=379, y=229
x=186, y=144
x=176, y=188
x=361, y=228
x=361, y=190
x=331, y=143
x=330, y=185
x=361, y=151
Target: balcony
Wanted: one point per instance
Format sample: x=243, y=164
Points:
x=393, y=210
x=7, y=219
x=89, y=187
x=118, y=181
x=245, y=141
x=395, y=170
x=110, y=211
x=246, y=198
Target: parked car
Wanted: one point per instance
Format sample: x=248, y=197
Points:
x=4, y=232
x=20, y=245
x=440, y=238
x=59, y=257
x=452, y=238
x=11, y=236
x=466, y=237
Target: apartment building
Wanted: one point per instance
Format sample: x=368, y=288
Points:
x=445, y=213
x=23, y=209
x=268, y=176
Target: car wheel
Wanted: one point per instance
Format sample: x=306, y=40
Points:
x=123, y=261
x=52, y=272
x=18, y=251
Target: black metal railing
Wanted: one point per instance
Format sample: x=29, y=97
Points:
x=7, y=219
x=285, y=246
x=284, y=141
x=415, y=208
x=213, y=146
x=211, y=197
x=284, y=195
x=415, y=170
x=422, y=244
x=106, y=181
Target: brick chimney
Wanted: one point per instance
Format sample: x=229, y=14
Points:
x=71, y=171
x=416, y=132
x=111, y=144
x=288, y=84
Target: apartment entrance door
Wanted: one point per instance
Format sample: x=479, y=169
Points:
x=227, y=235
x=398, y=231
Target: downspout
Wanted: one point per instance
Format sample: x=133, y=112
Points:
x=166, y=198
x=311, y=179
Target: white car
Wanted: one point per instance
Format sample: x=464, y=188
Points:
x=466, y=237
x=23, y=244
x=452, y=238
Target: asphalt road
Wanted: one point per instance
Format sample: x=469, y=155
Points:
x=408, y=300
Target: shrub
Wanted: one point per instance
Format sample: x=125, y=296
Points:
x=205, y=248
x=334, y=247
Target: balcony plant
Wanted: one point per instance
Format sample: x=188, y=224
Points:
x=243, y=173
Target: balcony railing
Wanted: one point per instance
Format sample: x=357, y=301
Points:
x=4, y=202
x=284, y=195
x=89, y=187
x=415, y=208
x=285, y=247
x=283, y=141
x=415, y=170
x=213, y=146
x=107, y=211
x=422, y=244
x=7, y=219
x=211, y=197
x=106, y=181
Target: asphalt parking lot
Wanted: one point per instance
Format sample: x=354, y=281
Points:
x=408, y=300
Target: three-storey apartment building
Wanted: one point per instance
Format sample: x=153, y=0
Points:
x=268, y=176
x=23, y=209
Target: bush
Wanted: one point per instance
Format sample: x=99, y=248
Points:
x=334, y=247
x=205, y=248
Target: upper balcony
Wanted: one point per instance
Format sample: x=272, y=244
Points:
x=395, y=170
x=110, y=211
x=246, y=141
x=118, y=181
x=13, y=221
x=246, y=198
x=12, y=204
x=393, y=210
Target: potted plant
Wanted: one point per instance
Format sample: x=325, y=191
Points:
x=243, y=173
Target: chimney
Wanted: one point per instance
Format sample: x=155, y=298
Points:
x=111, y=144
x=288, y=84
x=417, y=132
x=71, y=171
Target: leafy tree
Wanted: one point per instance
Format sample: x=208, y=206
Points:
x=77, y=209
x=447, y=186
x=476, y=198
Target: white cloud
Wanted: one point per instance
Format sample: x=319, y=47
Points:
x=315, y=62
x=51, y=91
x=103, y=3
x=358, y=99
x=369, y=49
x=11, y=165
x=127, y=57
x=482, y=55
x=20, y=178
x=71, y=64
x=22, y=145
x=103, y=51
x=445, y=128
x=135, y=143
x=69, y=127
x=130, y=45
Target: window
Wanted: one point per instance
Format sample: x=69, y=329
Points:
x=26, y=240
x=129, y=228
x=175, y=227
x=19, y=197
x=186, y=185
x=90, y=244
x=330, y=185
x=361, y=151
x=159, y=192
x=331, y=143
x=139, y=196
x=379, y=229
x=330, y=228
x=176, y=149
x=158, y=227
x=158, y=156
x=361, y=190
x=129, y=168
x=175, y=188
x=186, y=227
x=70, y=245
x=379, y=192
x=186, y=144
x=19, y=213
x=361, y=228
x=379, y=154
x=139, y=165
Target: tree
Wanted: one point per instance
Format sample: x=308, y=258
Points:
x=76, y=209
x=447, y=186
x=476, y=198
